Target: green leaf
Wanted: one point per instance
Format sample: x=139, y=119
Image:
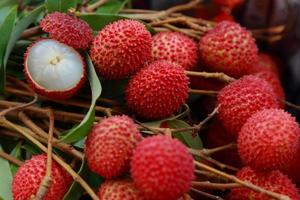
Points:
x=4, y=3
x=5, y=179
x=6, y=29
x=60, y=5
x=80, y=131
x=16, y=152
x=112, y=7
x=188, y=138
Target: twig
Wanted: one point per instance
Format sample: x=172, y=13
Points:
x=204, y=92
x=209, y=152
x=11, y=158
x=207, y=195
x=241, y=182
x=292, y=105
x=219, y=186
x=96, y=5
x=30, y=32
x=216, y=75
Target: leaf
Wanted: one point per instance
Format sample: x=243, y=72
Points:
x=5, y=179
x=112, y=7
x=191, y=140
x=13, y=37
x=16, y=152
x=80, y=131
x=60, y=5
x=4, y=3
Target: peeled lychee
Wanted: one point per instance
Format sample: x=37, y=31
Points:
x=273, y=181
x=54, y=69
x=269, y=140
x=68, y=29
x=158, y=90
x=243, y=98
x=162, y=168
x=30, y=175
x=110, y=144
x=121, y=48
x=229, y=48
x=119, y=190
x=175, y=47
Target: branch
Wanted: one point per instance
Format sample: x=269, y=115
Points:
x=215, y=75
x=207, y=195
x=96, y=5
x=204, y=92
x=219, y=186
x=211, y=151
x=11, y=158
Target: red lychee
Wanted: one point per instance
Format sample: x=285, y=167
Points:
x=68, y=29
x=121, y=48
x=158, y=90
x=229, y=48
x=274, y=181
x=30, y=175
x=267, y=61
x=162, y=168
x=228, y=3
x=119, y=190
x=110, y=144
x=269, y=140
x=175, y=47
x=293, y=171
x=241, y=99
x=223, y=16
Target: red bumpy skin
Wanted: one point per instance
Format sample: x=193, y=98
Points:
x=241, y=99
x=110, y=144
x=175, y=47
x=274, y=181
x=121, y=48
x=229, y=48
x=162, y=168
x=30, y=175
x=67, y=29
x=269, y=140
x=158, y=90
x=119, y=190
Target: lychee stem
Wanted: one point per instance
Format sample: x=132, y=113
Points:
x=209, y=152
x=241, y=182
x=205, y=194
x=10, y=158
x=220, y=186
x=203, y=92
x=30, y=32
x=215, y=75
x=96, y=5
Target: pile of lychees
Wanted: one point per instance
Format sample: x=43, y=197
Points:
x=160, y=167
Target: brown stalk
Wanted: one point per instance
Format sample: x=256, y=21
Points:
x=214, y=75
x=205, y=194
x=11, y=158
x=204, y=92
x=219, y=186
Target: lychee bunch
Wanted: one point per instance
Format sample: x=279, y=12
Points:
x=269, y=140
x=229, y=48
x=274, y=181
x=54, y=69
x=175, y=47
x=158, y=90
x=29, y=176
x=119, y=190
x=241, y=99
x=110, y=144
x=121, y=48
x=67, y=29
x=162, y=168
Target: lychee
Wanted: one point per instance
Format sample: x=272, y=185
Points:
x=223, y=16
x=229, y=48
x=67, y=29
x=110, y=144
x=228, y=3
x=30, y=175
x=158, y=90
x=241, y=99
x=119, y=190
x=162, y=168
x=267, y=61
x=273, y=181
x=121, y=48
x=269, y=140
x=54, y=69
x=175, y=47
x=293, y=171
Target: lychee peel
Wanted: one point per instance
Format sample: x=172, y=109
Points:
x=175, y=47
x=121, y=48
x=110, y=144
x=269, y=140
x=67, y=29
x=29, y=176
x=158, y=90
x=241, y=99
x=53, y=69
x=162, y=168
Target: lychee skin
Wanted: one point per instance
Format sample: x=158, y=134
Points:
x=110, y=144
x=293, y=171
x=229, y=48
x=121, y=48
x=269, y=140
x=274, y=181
x=68, y=29
x=162, y=168
x=223, y=16
x=29, y=176
x=53, y=94
x=243, y=98
x=228, y=3
x=158, y=90
x=119, y=190
x=175, y=47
